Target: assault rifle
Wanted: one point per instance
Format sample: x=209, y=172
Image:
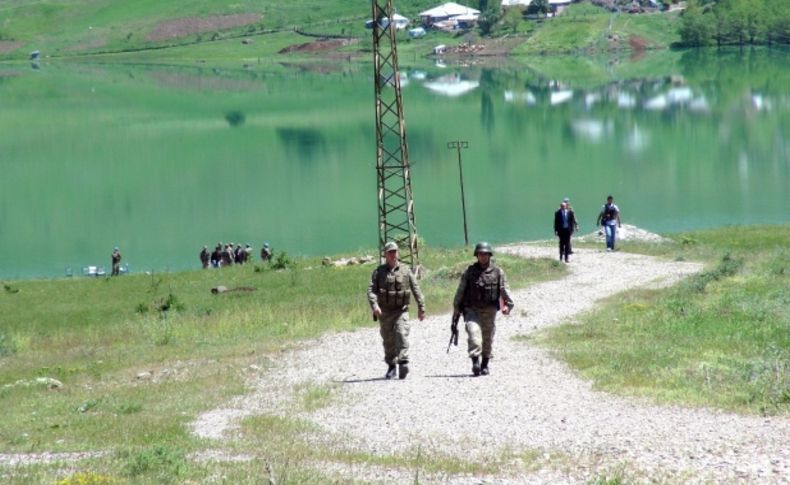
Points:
x=454, y=332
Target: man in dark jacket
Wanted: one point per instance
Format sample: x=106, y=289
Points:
x=564, y=225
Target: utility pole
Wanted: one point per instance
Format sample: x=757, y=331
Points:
x=395, y=203
x=458, y=145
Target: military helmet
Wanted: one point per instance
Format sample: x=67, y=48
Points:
x=483, y=247
x=390, y=246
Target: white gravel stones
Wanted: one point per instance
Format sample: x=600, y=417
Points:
x=530, y=401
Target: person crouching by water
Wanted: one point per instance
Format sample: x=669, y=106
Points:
x=116, y=262
x=481, y=289
x=389, y=295
x=564, y=225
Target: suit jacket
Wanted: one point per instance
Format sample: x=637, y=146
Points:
x=558, y=220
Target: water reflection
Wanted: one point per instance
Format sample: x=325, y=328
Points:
x=145, y=157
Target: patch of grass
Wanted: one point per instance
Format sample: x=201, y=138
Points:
x=583, y=27
x=720, y=338
x=163, y=463
x=316, y=397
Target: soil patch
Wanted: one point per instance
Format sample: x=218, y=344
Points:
x=320, y=45
x=7, y=46
x=205, y=83
x=88, y=45
x=172, y=29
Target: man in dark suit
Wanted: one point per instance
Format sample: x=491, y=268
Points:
x=564, y=225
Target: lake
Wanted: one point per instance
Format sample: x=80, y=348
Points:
x=160, y=160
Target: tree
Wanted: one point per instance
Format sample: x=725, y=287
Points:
x=778, y=25
x=539, y=7
x=490, y=16
x=513, y=17
x=695, y=26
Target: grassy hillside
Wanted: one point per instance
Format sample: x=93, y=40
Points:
x=72, y=27
x=204, y=28
x=584, y=27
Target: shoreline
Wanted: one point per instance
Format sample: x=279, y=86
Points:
x=639, y=235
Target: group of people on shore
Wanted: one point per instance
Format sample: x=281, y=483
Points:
x=565, y=225
x=230, y=254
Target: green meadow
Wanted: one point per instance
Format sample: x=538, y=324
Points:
x=720, y=338
x=140, y=356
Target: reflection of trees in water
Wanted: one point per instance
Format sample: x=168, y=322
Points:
x=486, y=112
x=306, y=144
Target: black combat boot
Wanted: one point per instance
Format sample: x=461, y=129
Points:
x=403, y=370
x=476, y=366
x=484, y=366
x=390, y=372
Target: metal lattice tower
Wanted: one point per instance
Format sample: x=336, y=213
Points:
x=396, y=206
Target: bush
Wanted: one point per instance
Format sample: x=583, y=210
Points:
x=282, y=261
x=164, y=461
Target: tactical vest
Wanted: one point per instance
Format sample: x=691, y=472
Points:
x=482, y=287
x=609, y=212
x=394, y=288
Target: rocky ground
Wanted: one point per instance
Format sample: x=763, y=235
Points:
x=532, y=404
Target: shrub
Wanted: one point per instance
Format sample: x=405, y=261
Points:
x=162, y=460
x=283, y=261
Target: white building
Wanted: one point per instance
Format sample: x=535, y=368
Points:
x=448, y=11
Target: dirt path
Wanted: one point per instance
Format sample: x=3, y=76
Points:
x=531, y=401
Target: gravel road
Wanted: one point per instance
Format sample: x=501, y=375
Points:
x=530, y=402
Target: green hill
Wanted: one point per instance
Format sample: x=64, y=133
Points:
x=201, y=28
x=72, y=27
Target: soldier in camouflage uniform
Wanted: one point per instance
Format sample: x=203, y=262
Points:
x=389, y=295
x=483, y=286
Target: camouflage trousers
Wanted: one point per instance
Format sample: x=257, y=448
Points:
x=480, y=329
x=394, y=329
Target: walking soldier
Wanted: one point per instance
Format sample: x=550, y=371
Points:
x=481, y=291
x=389, y=295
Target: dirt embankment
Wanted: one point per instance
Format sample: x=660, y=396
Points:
x=205, y=83
x=175, y=28
x=7, y=46
x=320, y=45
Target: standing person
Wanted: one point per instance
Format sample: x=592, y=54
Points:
x=564, y=225
x=389, y=295
x=116, y=261
x=266, y=252
x=481, y=289
x=204, y=257
x=238, y=254
x=216, y=256
x=610, y=218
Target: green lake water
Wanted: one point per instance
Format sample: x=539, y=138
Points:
x=160, y=160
